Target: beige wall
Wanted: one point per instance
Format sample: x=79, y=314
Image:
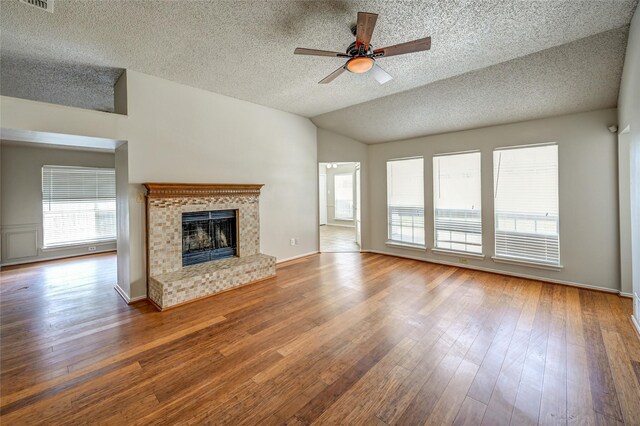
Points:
x=122, y=214
x=629, y=173
x=588, y=193
x=21, y=218
x=33, y=116
x=177, y=133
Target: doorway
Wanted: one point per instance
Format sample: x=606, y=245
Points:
x=339, y=203
x=66, y=205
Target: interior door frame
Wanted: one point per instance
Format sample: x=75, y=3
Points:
x=357, y=201
x=357, y=186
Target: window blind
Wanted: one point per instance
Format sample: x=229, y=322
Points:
x=457, y=200
x=405, y=200
x=78, y=205
x=526, y=203
x=343, y=193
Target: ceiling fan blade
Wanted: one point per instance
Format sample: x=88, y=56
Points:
x=364, y=29
x=315, y=52
x=380, y=75
x=408, y=47
x=332, y=76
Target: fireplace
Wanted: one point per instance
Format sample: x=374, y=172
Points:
x=208, y=235
x=202, y=239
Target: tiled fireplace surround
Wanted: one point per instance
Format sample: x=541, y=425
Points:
x=169, y=283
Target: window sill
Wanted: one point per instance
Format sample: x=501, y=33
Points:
x=458, y=253
x=343, y=218
x=77, y=245
x=538, y=265
x=406, y=245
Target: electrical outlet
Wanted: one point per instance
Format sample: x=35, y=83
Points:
x=92, y=248
x=294, y=241
x=462, y=260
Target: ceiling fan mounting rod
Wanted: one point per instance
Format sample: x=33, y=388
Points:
x=353, y=50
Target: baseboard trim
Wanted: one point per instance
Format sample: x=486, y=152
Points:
x=59, y=257
x=623, y=294
x=493, y=271
x=137, y=299
x=289, y=259
x=636, y=325
x=122, y=294
x=128, y=300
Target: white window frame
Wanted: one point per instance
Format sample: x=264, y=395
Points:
x=400, y=243
x=97, y=199
x=500, y=258
x=335, y=197
x=443, y=250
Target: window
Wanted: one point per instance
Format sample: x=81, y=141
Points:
x=526, y=203
x=405, y=201
x=457, y=199
x=78, y=205
x=343, y=192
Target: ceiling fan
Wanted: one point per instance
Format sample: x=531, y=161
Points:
x=362, y=57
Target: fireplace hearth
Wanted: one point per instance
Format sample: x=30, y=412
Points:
x=202, y=239
x=208, y=235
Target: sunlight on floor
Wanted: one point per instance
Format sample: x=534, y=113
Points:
x=337, y=239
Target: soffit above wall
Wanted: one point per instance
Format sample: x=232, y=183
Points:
x=244, y=49
x=28, y=137
x=57, y=82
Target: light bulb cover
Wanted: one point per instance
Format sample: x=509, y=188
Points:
x=359, y=64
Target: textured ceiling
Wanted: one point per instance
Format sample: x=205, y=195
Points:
x=244, y=49
x=82, y=86
x=580, y=76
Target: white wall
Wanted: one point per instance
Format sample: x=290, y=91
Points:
x=123, y=284
x=33, y=116
x=624, y=207
x=1, y=241
x=635, y=226
x=21, y=196
x=176, y=133
x=629, y=118
x=588, y=193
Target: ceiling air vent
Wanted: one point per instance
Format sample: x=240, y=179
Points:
x=40, y=4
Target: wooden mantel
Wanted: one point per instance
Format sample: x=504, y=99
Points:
x=180, y=190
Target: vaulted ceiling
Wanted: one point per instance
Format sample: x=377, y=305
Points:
x=490, y=62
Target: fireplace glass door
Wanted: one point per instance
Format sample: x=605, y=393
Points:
x=208, y=236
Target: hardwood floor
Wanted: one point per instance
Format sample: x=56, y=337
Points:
x=335, y=338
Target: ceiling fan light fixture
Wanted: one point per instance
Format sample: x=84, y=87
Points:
x=360, y=53
x=359, y=65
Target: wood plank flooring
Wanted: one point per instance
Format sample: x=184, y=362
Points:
x=343, y=338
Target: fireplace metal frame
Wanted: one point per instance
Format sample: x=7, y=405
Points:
x=195, y=258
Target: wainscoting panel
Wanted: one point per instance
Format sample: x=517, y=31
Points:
x=21, y=241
